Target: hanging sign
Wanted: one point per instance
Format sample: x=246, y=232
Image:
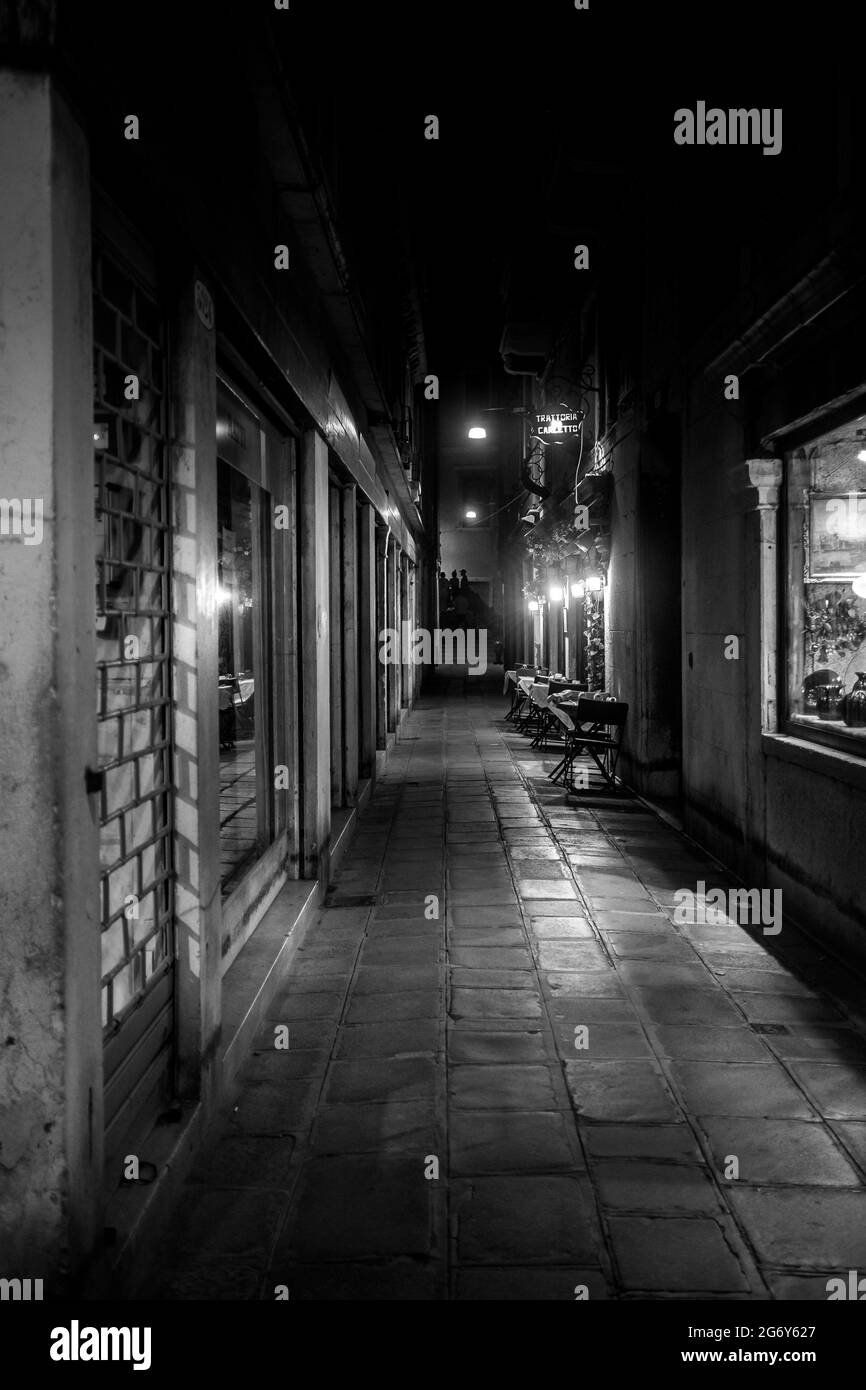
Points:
x=566, y=422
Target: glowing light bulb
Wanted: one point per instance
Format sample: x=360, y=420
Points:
x=477, y=432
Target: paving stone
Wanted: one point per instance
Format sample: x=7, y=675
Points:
x=572, y=955
x=273, y=1108
x=524, y=1220
x=622, y=884
x=461, y=978
x=495, y=1003
x=492, y=957
x=383, y=955
x=547, y=888
x=491, y=896
x=740, y=1088
x=638, y=902
x=291, y=1005
x=484, y=916
x=359, y=1207
x=385, y=1008
x=485, y=937
x=799, y=1288
x=650, y=1185
x=392, y=979
x=779, y=1151
x=643, y=922
x=378, y=1079
x=240, y=1227
x=808, y=1227
x=513, y=1087
x=700, y=1007
x=383, y=1127
x=675, y=1254
x=403, y=930
x=282, y=1064
x=665, y=973
x=853, y=1136
x=609, y=1040
x=695, y=1044
x=554, y=907
x=838, y=1090
x=246, y=1160
x=616, y=1090
x=673, y=1142
x=484, y=1141
x=638, y=945
x=305, y=1035
x=577, y=983
x=393, y=1281
x=566, y=928
x=819, y=1044
x=495, y=1047
x=761, y=981
x=387, y=1039
x=215, y=1280
x=536, y=853
x=538, y=870
x=574, y=985
x=528, y=1285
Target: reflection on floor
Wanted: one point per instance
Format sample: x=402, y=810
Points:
x=551, y=1085
x=238, y=824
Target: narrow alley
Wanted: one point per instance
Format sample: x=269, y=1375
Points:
x=432, y=673
x=499, y=1070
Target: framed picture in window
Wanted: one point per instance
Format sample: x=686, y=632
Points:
x=836, y=537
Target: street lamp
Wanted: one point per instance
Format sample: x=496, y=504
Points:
x=477, y=432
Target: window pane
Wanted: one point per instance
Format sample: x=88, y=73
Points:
x=827, y=584
x=239, y=674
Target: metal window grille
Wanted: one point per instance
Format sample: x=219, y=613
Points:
x=133, y=635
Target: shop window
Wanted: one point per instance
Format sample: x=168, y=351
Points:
x=246, y=775
x=826, y=585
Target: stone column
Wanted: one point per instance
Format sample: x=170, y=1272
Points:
x=336, y=644
x=350, y=643
x=393, y=609
x=383, y=537
x=315, y=655
x=368, y=641
x=195, y=611
x=406, y=617
x=51, y=1053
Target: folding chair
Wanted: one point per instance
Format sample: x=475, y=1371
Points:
x=518, y=695
x=548, y=720
x=601, y=739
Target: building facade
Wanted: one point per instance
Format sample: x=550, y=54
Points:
x=212, y=491
x=724, y=469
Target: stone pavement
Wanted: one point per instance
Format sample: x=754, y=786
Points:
x=551, y=1087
